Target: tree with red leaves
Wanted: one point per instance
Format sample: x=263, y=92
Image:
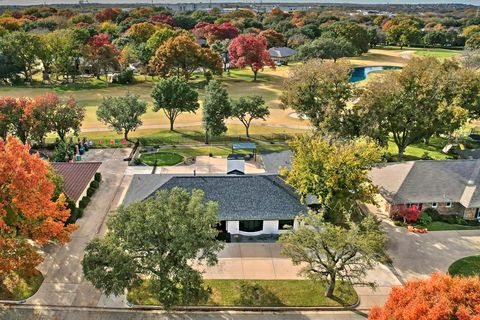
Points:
x=162, y=18
x=407, y=214
x=27, y=211
x=250, y=50
x=215, y=32
x=101, y=54
x=108, y=14
x=441, y=297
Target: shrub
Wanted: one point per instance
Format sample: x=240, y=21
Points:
x=84, y=202
x=79, y=213
x=399, y=223
x=94, y=184
x=98, y=177
x=125, y=77
x=90, y=191
x=408, y=215
x=433, y=214
x=425, y=219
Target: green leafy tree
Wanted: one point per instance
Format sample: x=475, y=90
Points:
x=425, y=98
x=174, y=96
x=473, y=41
x=122, y=114
x=335, y=172
x=216, y=108
x=435, y=38
x=320, y=91
x=158, y=239
x=330, y=252
x=326, y=48
x=67, y=116
x=23, y=47
x=355, y=33
x=403, y=32
x=249, y=108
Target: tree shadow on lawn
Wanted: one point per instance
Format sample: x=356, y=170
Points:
x=255, y=295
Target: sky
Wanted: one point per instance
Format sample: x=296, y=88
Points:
x=30, y=2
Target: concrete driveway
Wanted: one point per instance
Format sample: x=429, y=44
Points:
x=419, y=255
x=64, y=283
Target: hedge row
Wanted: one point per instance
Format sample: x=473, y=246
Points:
x=77, y=213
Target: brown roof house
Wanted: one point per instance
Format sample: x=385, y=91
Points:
x=77, y=177
x=449, y=186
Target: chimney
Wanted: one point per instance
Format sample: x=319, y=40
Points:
x=235, y=164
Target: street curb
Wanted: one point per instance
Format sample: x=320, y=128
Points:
x=352, y=307
x=22, y=304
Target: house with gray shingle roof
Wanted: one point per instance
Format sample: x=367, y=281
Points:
x=449, y=186
x=248, y=204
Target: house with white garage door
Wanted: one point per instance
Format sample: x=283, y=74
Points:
x=249, y=205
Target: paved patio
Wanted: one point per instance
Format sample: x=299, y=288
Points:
x=202, y=165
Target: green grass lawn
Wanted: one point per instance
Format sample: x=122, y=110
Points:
x=468, y=266
x=418, y=150
x=19, y=286
x=261, y=293
x=221, y=151
x=428, y=52
x=444, y=226
x=191, y=135
x=161, y=158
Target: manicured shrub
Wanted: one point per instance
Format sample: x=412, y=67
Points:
x=433, y=214
x=94, y=184
x=90, y=191
x=79, y=213
x=98, y=177
x=84, y=202
x=425, y=219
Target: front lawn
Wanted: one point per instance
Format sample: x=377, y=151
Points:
x=161, y=158
x=444, y=226
x=261, y=293
x=468, y=266
x=19, y=286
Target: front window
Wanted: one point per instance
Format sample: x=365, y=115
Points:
x=448, y=205
x=285, y=224
x=434, y=205
x=251, y=225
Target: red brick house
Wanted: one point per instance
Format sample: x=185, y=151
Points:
x=449, y=186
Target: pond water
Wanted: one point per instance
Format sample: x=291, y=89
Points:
x=361, y=73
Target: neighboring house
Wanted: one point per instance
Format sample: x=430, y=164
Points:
x=281, y=54
x=449, y=186
x=249, y=205
x=77, y=177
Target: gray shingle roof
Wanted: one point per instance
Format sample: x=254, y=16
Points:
x=273, y=161
x=248, y=197
x=281, y=52
x=430, y=181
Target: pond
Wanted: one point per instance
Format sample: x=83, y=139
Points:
x=361, y=73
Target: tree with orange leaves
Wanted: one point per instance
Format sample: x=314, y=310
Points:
x=441, y=297
x=27, y=211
